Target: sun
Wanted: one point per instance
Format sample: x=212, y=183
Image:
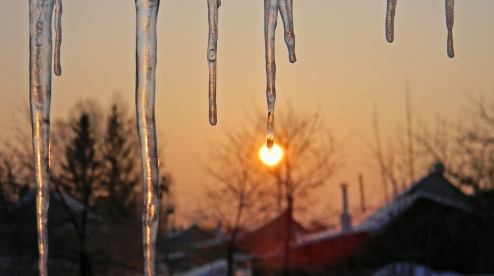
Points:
x=271, y=156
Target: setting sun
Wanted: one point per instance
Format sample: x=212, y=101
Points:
x=271, y=156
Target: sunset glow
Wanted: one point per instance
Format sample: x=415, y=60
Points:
x=271, y=156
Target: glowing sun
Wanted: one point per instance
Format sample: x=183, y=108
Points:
x=271, y=156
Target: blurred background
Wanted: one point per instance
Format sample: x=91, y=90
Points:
x=353, y=110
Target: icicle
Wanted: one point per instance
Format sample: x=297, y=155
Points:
x=58, y=36
x=286, y=11
x=213, y=6
x=146, y=16
x=270, y=20
x=390, y=20
x=40, y=15
x=450, y=18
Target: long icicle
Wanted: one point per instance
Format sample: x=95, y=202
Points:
x=40, y=15
x=146, y=16
x=286, y=11
x=58, y=36
x=213, y=6
x=390, y=20
x=270, y=21
x=450, y=19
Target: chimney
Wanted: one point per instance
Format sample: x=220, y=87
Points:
x=362, y=197
x=345, y=218
x=438, y=168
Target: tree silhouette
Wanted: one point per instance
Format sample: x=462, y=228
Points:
x=247, y=191
x=119, y=176
x=79, y=176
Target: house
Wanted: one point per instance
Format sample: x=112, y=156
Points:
x=432, y=187
x=19, y=242
x=196, y=250
x=432, y=224
x=316, y=251
x=271, y=236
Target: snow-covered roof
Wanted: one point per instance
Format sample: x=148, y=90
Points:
x=69, y=200
x=433, y=187
x=307, y=239
x=218, y=267
x=74, y=205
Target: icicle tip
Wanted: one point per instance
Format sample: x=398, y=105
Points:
x=269, y=141
x=292, y=58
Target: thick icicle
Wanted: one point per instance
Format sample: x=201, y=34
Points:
x=286, y=11
x=450, y=18
x=58, y=36
x=390, y=20
x=146, y=16
x=270, y=21
x=213, y=6
x=40, y=15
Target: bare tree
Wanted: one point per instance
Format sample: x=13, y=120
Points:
x=237, y=186
x=466, y=147
x=255, y=191
x=312, y=155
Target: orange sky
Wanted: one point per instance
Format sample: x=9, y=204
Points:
x=344, y=67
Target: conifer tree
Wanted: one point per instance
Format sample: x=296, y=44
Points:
x=119, y=174
x=79, y=177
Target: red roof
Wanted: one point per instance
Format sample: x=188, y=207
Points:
x=320, y=253
x=270, y=236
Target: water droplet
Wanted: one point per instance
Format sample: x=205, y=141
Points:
x=212, y=55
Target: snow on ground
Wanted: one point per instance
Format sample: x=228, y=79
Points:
x=406, y=269
x=216, y=268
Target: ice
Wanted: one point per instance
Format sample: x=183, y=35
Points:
x=270, y=21
x=450, y=18
x=40, y=15
x=58, y=36
x=286, y=11
x=390, y=20
x=271, y=8
x=213, y=6
x=146, y=16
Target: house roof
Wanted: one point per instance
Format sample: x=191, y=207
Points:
x=271, y=235
x=317, y=253
x=190, y=237
x=432, y=187
x=25, y=207
x=326, y=248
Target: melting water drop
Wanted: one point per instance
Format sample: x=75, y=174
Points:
x=146, y=16
x=40, y=15
x=270, y=132
x=390, y=20
x=450, y=18
x=58, y=36
x=213, y=6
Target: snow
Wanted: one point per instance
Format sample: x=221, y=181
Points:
x=416, y=270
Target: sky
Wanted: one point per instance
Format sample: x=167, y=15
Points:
x=344, y=68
